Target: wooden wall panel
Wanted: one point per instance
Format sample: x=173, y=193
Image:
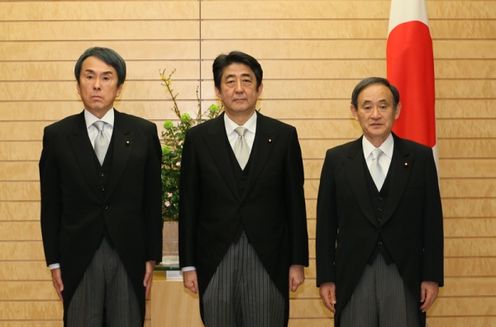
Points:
x=313, y=53
x=23, y=271
x=20, y=231
x=19, y=210
x=335, y=29
x=71, y=49
x=97, y=10
x=335, y=10
x=92, y=30
x=303, y=49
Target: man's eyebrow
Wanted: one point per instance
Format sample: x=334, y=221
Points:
x=242, y=75
x=380, y=100
x=89, y=70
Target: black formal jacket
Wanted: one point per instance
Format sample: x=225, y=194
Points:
x=271, y=210
x=348, y=231
x=76, y=212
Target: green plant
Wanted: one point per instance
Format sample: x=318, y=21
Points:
x=172, y=146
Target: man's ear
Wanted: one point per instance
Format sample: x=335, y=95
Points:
x=353, y=111
x=260, y=89
x=397, y=112
x=119, y=90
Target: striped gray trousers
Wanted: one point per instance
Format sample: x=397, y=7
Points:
x=241, y=293
x=381, y=299
x=105, y=295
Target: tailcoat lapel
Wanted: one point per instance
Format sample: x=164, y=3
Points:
x=355, y=173
x=265, y=140
x=123, y=144
x=83, y=152
x=399, y=171
x=218, y=148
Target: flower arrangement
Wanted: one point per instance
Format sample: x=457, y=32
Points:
x=173, y=140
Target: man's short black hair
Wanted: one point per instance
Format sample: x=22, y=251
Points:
x=370, y=81
x=223, y=60
x=108, y=56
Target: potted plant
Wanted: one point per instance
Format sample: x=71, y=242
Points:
x=172, y=145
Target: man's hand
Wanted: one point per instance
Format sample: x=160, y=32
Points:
x=190, y=280
x=57, y=282
x=296, y=277
x=147, y=281
x=328, y=295
x=428, y=294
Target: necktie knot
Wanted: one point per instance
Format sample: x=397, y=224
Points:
x=99, y=125
x=240, y=131
x=376, y=154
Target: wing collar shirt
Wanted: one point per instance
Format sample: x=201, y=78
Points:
x=387, y=148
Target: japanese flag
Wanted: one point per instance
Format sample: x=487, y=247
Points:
x=410, y=67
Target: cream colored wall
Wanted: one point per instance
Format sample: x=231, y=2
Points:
x=313, y=52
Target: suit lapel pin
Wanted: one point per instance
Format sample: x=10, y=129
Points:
x=406, y=164
x=269, y=140
x=128, y=142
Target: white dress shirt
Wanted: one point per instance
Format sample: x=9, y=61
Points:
x=108, y=128
x=387, y=148
x=250, y=125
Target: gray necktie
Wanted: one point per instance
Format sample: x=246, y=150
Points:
x=376, y=169
x=101, y=142
x=241, y=150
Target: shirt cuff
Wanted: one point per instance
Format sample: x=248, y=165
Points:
x=54, y=266
x=188, y=268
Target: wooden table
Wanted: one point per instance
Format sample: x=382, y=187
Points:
x=172, y=305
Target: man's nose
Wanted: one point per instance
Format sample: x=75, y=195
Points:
x=376, y=113
x=97, y=83
x=238, y=86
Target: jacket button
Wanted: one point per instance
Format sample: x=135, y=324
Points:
x=107, y=207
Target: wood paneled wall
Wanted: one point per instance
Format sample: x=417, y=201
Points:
x=313, y=53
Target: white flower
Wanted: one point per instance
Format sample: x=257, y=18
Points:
x=178, y=164
x=167, y=203
x=169, y=194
